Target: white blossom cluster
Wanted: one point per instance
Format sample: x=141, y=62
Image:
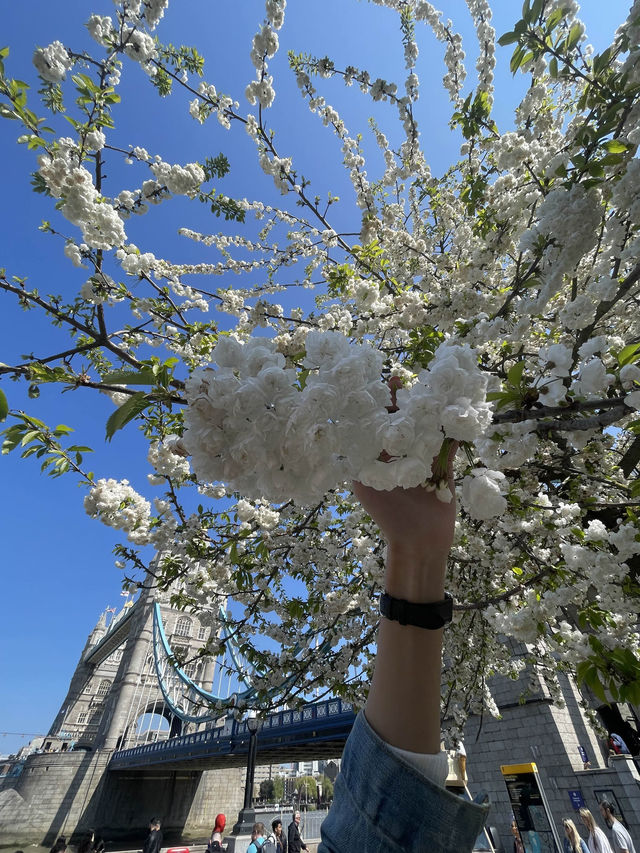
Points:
x=180, y=180
x=118, y=505
x=101, y=226
x=251, y=426
x=52, y=62
x=167, y=463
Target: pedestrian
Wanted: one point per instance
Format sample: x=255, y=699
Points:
x=619, y=746
x=217, y=834
x=60, y=845
x=258, y=838
x=572, y=843
x=277, y=837
x=153, y=842
x=597, y=841
x=296, y=844
x=518, y=846
x=620, y=838
x=86, y=845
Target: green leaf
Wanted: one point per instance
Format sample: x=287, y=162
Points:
x=574, y=36
x=554, y=19
x=614, y=146
x=507, y=38
x=516, y=59
x=587, y=672
x=4, y=406
x=29, y=436
x=536, y=9
x=126, y=412
x=629, y=354
x=514, y=376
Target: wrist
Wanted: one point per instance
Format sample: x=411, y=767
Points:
x=414, y=575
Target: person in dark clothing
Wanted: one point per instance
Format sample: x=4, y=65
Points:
x=296, y=844
x=153, y=842
x=60, y=845
x=277, y=836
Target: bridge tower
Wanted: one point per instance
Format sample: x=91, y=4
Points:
x=114, y=698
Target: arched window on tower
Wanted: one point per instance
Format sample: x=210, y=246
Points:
x=183, y=627
x=103, y=687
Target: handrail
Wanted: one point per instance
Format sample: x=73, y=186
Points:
x=315, y=717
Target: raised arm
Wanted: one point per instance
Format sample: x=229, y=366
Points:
x=404, y=699
x=382, y=794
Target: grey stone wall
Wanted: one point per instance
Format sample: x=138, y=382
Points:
x=69, y=793
x=52, y=796
x=537, y=731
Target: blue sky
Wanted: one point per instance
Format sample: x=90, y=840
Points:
x=58, y=572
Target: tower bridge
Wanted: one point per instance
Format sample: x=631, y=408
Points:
x=139, y=733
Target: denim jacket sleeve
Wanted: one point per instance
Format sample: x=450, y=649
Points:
x=384, y=804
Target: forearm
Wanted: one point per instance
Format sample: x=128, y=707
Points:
x=404, y=699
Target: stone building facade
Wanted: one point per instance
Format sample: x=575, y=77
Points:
x=532, y=728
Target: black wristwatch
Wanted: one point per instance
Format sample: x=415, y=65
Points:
x=432, y=615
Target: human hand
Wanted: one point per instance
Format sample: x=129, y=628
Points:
x=416, y=523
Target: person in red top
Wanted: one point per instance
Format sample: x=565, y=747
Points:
x=215, y=842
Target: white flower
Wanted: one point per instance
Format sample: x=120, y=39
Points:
x=594, y=378
x=629, y=375
x=118, y=505
x=633, y=400
x=94, y=140
x=482, y=494
x=52, y=62
x=558, y=359
x=251, y=425
x=180, y=180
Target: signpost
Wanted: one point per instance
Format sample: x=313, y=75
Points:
x=531, y=808
x=577, y=800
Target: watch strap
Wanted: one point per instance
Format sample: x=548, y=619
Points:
x=431, y=615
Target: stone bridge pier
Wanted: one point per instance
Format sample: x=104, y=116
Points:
x=71, y=793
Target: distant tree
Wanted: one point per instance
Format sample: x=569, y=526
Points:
x=278, y=789
x=267, y=790
x=306, y=788
x=327, y=788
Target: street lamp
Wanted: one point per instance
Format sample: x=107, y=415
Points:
x=247, y=815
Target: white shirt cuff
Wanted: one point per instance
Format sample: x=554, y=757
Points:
x=434, y=766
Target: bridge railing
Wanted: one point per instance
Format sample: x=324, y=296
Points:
x=234, y=735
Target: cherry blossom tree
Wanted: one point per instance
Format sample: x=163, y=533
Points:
x=495, y=306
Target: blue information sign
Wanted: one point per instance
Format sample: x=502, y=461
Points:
x=577, y=800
